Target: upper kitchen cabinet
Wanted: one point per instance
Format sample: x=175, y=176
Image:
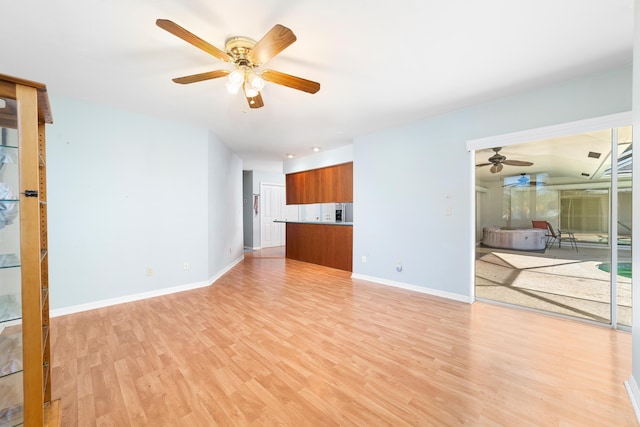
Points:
x=324, y=185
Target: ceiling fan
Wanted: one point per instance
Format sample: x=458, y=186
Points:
x=497, y=161
x=525, y=180
x=246, y=55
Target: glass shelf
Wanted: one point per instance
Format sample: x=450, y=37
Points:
x=9, y=261
x=11, y=406
x=10, y=351
x=9, y=212
x=10, y=308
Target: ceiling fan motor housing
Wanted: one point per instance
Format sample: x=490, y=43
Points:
x=497, y=158
x=238, y=49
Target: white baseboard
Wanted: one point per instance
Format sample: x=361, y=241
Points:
x=140, y=296
x=223, y=272
x=634, y=395
x=422, y=289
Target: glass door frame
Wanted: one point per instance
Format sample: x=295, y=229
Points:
x=613, y=121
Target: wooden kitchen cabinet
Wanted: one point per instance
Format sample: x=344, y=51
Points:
x=324, y=185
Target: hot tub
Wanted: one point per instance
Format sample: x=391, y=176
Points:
x=522, y=239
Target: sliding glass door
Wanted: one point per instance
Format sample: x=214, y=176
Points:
x=553, y=217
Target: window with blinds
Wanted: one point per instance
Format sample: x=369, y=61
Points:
x=584, y=211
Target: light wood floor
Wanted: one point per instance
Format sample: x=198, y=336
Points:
x=281, y=342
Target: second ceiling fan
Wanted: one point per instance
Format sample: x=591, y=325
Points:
x=498, y=160
x=246, y=55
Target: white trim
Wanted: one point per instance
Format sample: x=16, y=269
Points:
x=225, y=270
x=472, y=230
x=137, y=297
x=634, y=395
x=613, y=230
x=563, y=129
x=421, y=289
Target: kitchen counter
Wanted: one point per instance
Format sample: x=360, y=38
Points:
x=320, y=243
x=314, y=222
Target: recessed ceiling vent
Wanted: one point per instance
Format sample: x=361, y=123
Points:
x=594, y=155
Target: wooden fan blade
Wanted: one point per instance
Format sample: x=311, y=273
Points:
x=483, y=164
x=516, y=163
x=290, y=81
x=202, y=76
x=256, y=101
x=274, y=42
x=191, y=38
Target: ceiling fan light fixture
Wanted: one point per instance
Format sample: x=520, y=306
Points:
x=255, y=81
x=250, y=91
x=232, y=88
x=236, y=77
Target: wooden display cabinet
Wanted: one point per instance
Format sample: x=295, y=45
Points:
x=25, y=381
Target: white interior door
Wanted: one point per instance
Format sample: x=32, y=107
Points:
x=273, y=208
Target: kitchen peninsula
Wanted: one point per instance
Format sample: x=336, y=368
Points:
x=325, y=243
x=325, y=238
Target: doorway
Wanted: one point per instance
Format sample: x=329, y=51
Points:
x=580, y=185
x=273, y=200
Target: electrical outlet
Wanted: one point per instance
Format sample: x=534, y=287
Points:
x=364, y=259
x=186, y=266
x=149, y=271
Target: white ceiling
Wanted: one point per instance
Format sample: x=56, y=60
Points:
x=380, y=63
x=560, y=160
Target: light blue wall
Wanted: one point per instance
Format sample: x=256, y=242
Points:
x=225, y=242
x=402, y=175
x=129, y=192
